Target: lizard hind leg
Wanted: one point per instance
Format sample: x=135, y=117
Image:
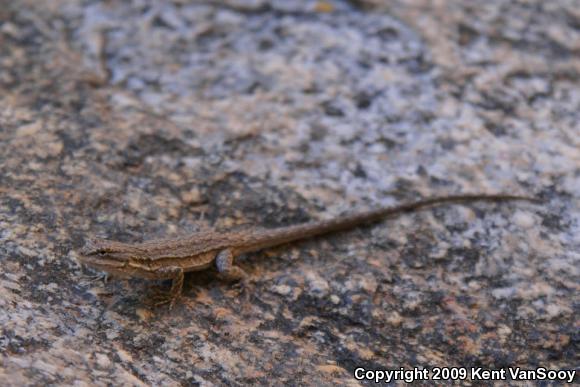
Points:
x=226, y=268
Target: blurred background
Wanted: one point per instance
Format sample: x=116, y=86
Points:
x=141, y=119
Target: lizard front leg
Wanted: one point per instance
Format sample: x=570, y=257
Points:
x=101, y=277
x=176, y=275
x=226, y=268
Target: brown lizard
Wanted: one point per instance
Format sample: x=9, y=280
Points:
x=171, y=258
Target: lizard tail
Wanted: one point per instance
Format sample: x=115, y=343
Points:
x=306, y=230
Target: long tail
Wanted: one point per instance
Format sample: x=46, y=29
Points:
x=280, y=236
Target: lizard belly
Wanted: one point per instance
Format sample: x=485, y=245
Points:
x=197, y=267
x=192, y=263
x=198, y=262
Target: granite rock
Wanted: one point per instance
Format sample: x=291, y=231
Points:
x=143, y=119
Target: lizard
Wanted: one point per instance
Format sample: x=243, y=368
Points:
x=171, y=258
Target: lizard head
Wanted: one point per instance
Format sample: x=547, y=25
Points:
x=107, y=255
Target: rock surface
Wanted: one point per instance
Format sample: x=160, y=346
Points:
x=143, y=119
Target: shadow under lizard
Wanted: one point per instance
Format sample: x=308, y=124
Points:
x=171, y=258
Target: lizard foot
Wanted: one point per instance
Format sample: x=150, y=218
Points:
x=164, y=299
x=101, y=277
x=242, y=289
x=176, y=275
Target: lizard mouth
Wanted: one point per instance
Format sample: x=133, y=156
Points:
x=96, y=253
x=90, y=248
x=101, y=263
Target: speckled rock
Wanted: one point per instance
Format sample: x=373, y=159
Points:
x=142, y=119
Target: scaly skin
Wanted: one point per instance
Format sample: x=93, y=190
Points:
x=171, y=258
